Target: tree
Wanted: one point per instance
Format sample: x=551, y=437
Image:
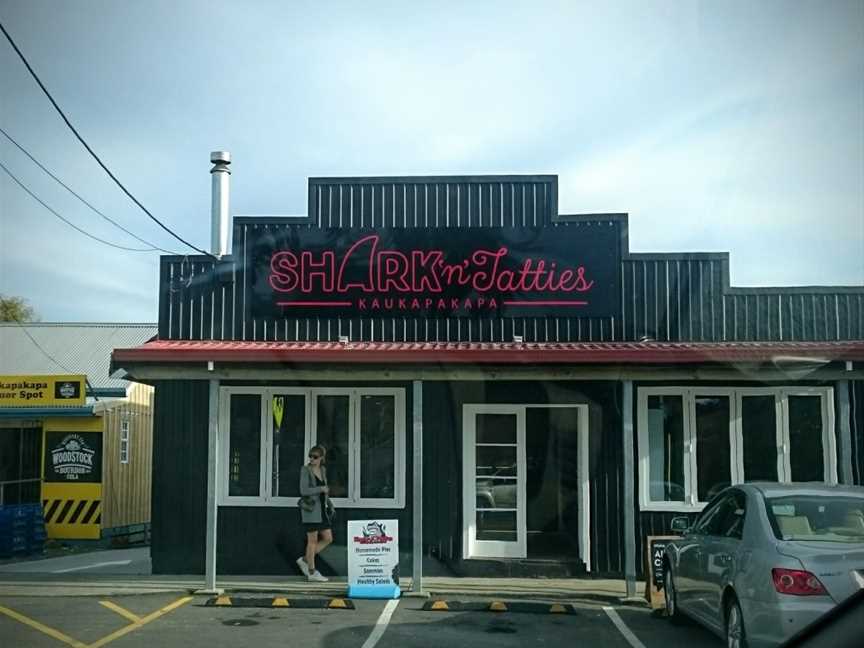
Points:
x=16, y=309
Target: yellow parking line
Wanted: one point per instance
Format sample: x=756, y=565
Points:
x=141, y=622
x=121, y=611
x=51, y=632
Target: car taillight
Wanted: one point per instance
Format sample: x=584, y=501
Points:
x=796, y=582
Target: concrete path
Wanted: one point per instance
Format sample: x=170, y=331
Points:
x=110, y=561
x=127, y=571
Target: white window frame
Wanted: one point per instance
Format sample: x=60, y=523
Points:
x=265, y=496
x=270, y=497
x=474, y=549
x=736, y=444
x=124, y=440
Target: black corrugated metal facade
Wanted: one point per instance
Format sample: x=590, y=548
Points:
x=252, y=540
x=667, y=297
x=179, y=476
x=664, y=297
x=442, y=451
x=857, y=425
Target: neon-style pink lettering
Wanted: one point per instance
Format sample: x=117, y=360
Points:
x=283, y=272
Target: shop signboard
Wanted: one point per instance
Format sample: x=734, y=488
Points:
x=373, y=559
x=72, y=477
x=73, y=457
x=656, y=547
x=483, y=272
x=43, y=391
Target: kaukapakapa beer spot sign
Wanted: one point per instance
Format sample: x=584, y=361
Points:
x=42, y=391
x=427, y=273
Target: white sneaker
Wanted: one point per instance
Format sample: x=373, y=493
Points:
x=316, y=577
x=301, y=564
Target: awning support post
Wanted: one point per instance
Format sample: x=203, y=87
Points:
x=212, y=476
x=629, y=506
x=417, y=474
x=845, y=472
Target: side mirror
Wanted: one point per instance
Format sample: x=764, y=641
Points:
x=680, y=525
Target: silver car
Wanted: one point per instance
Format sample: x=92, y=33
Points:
x=763, y=560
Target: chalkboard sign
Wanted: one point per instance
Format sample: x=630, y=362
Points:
x=657, y=548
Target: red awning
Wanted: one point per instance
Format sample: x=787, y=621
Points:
x=186, y=351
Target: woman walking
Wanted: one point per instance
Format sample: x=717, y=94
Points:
x=316, y=512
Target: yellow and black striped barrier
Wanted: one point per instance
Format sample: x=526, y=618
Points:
x=281, y=602
x=72, y=511
x=521, y=607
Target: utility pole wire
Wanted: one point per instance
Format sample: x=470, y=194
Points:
x=71, y=224
x=69, y=189
x=52, y=358
x=92, y=153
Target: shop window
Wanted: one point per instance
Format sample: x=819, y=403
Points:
x=759, y=437
x=124, y=441
x=270, y=431
x=244, y=446
x=378, y=446
x=288, y=441
x=666, y=447
x=333, y=431
x=693, y=442
x=20, y=464
x=805, y=438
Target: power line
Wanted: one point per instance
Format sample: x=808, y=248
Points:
x=84, y=232
x=69, y=189
x=89, y=150
x=50, y=357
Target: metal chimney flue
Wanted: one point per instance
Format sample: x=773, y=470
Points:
x=220, y=218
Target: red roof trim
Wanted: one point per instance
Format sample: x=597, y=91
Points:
x=173, y=351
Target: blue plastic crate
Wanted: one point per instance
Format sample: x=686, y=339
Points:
x=15, y=528
x=18, y=512
x=36, y=547
x=15, y=544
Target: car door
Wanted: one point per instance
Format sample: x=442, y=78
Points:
x=688, y=574
x=721, y=550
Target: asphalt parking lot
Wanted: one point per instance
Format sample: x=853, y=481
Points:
x=174, y=620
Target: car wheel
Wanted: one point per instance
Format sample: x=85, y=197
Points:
x=735, y=636
x=670, y=596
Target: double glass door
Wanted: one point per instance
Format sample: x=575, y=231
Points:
x=525, y=485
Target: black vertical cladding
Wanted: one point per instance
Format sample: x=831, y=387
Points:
x=251, y=540
x=668, y=297
x=635, y=300
x=856, y=406
x=442, y=459
x=179, y=485
x=164, y=300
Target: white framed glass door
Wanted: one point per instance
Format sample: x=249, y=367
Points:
x=494, y=481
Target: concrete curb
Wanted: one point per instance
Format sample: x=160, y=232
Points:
x=540, y=590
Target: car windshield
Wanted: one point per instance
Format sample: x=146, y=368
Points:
x=820, y=518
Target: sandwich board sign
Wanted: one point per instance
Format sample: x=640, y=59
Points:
x=655, y=546
x=373, y=559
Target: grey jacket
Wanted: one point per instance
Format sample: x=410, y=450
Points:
x=308, y=488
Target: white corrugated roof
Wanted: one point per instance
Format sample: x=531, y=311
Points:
x=76, y=348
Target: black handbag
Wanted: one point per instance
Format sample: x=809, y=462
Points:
x=307, y=503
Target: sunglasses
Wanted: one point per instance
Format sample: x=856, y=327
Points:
x=314, y=456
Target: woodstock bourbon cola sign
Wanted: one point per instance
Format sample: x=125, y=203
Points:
x=563, y=271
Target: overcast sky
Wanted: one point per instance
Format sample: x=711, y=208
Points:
x=718, y=126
